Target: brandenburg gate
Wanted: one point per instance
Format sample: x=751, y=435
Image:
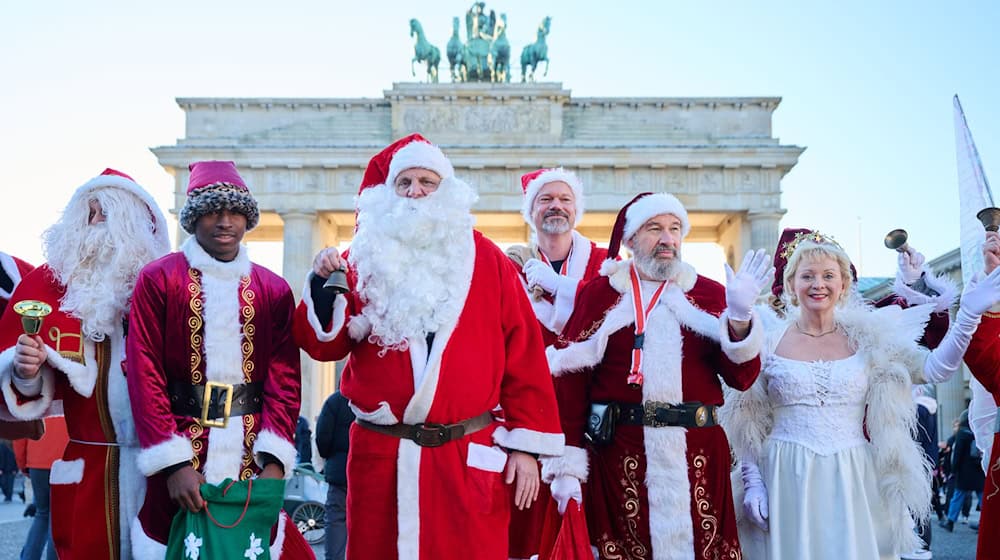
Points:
x=304, y=158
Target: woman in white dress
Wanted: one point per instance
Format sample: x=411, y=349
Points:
x=828, y=464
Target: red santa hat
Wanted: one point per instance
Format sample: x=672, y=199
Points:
x=215, y=186
x=406, y=153
x=638, y=211
x=533, y=182
x=112, y=178
x=787, y=243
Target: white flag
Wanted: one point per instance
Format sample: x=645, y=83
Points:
x=973, y=195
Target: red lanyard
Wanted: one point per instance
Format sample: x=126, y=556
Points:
x=635, y=373
x=565, y=264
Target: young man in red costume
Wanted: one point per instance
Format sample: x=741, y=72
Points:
x=205, y=322
x=109, y=230
x=439, y=333
x=653, y=339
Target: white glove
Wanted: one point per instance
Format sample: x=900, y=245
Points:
x=743, y=287
x=541, y=274
x=911, y=266
x=754, y=495
x=979, y=295
x=563, y=488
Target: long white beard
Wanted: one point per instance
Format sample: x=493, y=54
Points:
x=408, y=254
x=655, y=269
x=98, y=264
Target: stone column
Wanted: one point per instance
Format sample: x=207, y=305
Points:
x=764, y=230
x=299, y=236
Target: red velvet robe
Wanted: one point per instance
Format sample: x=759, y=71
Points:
x=552, y=313
x=195, y=319
x=447, y=502
x=653, y=492
x=983, y=359
x=96, y=489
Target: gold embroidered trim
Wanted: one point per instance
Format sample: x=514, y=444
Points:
x=194, y=433
x=703, y=506
x=195, y=324
x=56, y=336
x=248, y=440
x=247, y=313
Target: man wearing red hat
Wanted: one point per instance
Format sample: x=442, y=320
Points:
x=561, y=260
x=208, y=327
x=109, y=230
x=642, y=383
x=439, y=333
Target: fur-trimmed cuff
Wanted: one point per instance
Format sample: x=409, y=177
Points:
x=339, y=314
x=174, y=450
x=284, y=524
x=741, y=352
x=573, y=462
x=530, y=441
x=20, y=408
x=282, y=449
x=575, y=357
x=947, y=291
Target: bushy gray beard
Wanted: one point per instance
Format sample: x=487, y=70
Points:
x=556, y=226
x=656, y=269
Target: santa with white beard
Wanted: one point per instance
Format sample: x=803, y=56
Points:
x=439, y=333
x=109, y=230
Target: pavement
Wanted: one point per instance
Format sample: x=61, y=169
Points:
x=959, y=545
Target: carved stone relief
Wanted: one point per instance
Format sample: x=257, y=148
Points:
x=509, y=119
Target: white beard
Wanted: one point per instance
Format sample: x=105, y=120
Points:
x=407, y=253
x=98, y=264
x=654, y=269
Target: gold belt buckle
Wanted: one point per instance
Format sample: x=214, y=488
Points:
x=701, y=416
x=207, y=401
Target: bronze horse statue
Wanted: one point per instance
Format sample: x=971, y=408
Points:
x=500, y=52
x=454, y=51
x=423, y=51
x=536, y=52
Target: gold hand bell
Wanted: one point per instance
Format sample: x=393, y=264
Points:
x=32, y=313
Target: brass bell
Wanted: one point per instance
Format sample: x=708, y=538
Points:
x=990, y=217
x=337, y=282
x=896, y=240
x=32, y=314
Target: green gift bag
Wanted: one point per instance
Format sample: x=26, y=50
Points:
x=234, y=524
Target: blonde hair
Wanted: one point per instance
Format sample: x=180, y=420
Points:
x=808, y=250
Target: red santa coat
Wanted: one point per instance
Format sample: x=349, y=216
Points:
x=641, y=484
x=983, y=359
x=585, y=259
x=96, y=488
x=448, y=502
x=195, y=319
x=15, y=269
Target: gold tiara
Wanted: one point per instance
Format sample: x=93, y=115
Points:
x=814, y=236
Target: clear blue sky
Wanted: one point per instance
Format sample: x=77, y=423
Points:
x=866, y=88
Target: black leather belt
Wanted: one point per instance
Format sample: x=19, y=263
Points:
x=659, y=414
x=212, y=400
x=427, y=434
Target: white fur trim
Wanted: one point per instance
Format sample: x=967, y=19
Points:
x=339, y=315
x=66, y=472
x=358, y=327
x=741, y=351
x=10, y=267
x=530, y=441
x=944, y=286
x=104, y=181
x=28, y=410
x=154, y=459
x=284, y=524
x=573, y=462
x=408, y=500
x=131, y=493
x=232, y=270
x=119, y=403
x=382, y=415
x=419, y=154
x=281, y=448
x=224, y=452
x=145, y=547
x=553, y=316
x=485, y=457
x=651, y=206
x=684, y=277
x=551, y=176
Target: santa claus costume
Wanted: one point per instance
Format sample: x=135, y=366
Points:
x=439, y=334
x=659, y=487
x=552, y=310
x=96, y=488
x=198, y=323
x=12, y=269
